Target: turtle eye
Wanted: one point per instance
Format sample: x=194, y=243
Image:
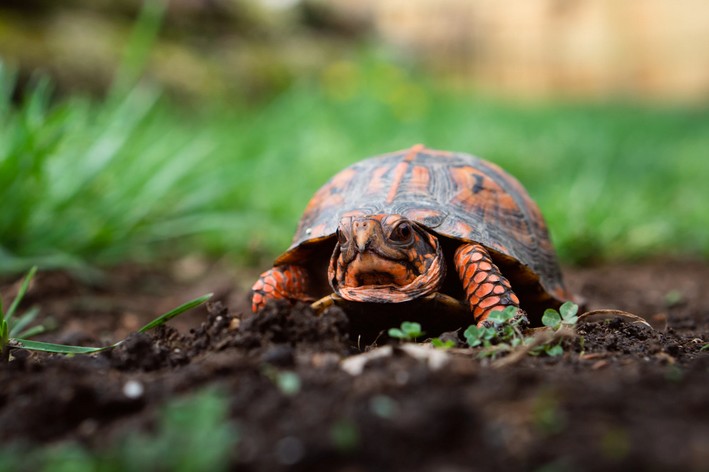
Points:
x=341, y=237
x=401, y=233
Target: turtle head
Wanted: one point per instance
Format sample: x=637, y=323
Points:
x=385, y=258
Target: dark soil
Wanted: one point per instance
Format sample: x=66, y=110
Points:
x=623, y=396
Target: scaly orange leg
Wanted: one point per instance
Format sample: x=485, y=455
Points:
x=286, y=282
x=486, y=289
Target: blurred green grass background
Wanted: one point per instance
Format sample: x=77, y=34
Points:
x=135, y=177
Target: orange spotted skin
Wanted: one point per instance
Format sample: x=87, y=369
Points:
x=486, y=289
x=286, y=282
x=463, y=211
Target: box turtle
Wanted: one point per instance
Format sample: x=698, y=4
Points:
x=417, y=224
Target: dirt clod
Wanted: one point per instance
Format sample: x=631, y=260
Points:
x=299, y=327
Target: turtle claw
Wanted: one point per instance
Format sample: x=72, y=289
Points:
x=324, y=303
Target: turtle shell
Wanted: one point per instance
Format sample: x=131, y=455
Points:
x=455, y=195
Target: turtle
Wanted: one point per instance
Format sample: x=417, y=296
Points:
x=415, y=224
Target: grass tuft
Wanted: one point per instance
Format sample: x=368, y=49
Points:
x=9, y=327
x=135, y=178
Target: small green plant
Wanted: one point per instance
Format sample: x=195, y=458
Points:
x=12, y=327
x=565, y=316
x=440, y=344
x=551, y=350
x=13, y=334
x=673, y=298
x=705, y=347
x=409, y=331
x=344, y=435
x=503, y=332
x=191, y=433
x=287, y=381
x=479, y=336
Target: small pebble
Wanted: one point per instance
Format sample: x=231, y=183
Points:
x=133, y=389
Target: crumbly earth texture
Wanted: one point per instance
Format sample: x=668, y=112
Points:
x=622, y=396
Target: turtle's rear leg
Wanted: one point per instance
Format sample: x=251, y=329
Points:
x=286, y=282
x=486, y=289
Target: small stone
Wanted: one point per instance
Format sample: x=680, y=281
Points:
x=133, y=389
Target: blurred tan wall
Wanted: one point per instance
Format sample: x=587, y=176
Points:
x=549, y=48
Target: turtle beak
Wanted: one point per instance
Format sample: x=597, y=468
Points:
x=363, y=230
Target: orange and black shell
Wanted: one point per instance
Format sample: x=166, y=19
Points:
x=452, y=194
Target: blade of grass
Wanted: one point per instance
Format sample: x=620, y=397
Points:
x=27, y=318
x=31, y=332
x=20, y=295
x=173, y=313
x=57, y=348
x=66, y=349
x=4, y=335
x=139, y=46
x=8, y=77
x=4, y=341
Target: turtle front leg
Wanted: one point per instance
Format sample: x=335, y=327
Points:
x=486, y=289
x=286, y=282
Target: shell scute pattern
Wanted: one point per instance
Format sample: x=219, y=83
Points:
x=455, y=195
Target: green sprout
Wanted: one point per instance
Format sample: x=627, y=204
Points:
x=673, y=298
x=440, y=344
x=551, y=350
x=476, y=336
x=502, y=331
x=13, y=334
x=409, y=331
x=565, y=316
x=12, y=327
x=288, y=382
x=345, y=436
